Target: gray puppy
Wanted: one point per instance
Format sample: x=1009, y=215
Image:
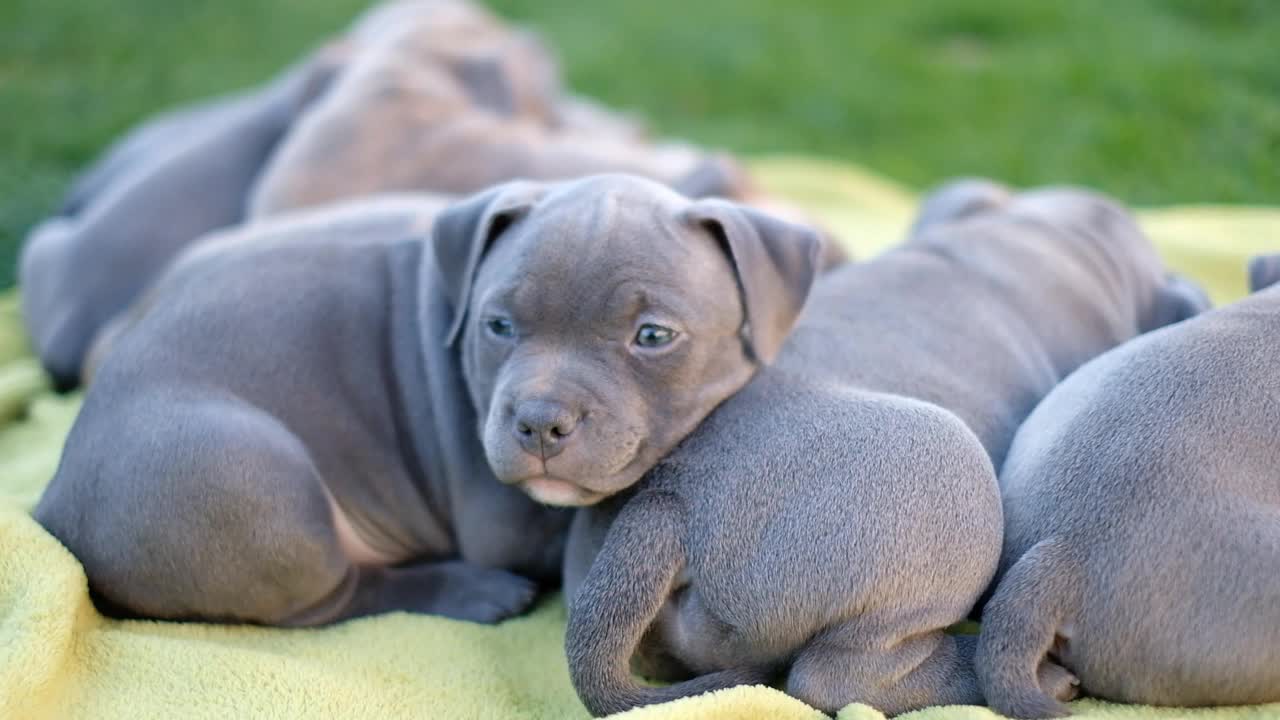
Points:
x=503, y=81
x=835, y=516
x=1142, y=513
x=300, y=430
x=454, y=104
x=161, y=188
x=151, y=141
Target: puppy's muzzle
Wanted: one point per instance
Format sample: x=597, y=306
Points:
x=544, y=428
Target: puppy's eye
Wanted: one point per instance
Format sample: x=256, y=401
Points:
x=652, y=336
x=500, y=327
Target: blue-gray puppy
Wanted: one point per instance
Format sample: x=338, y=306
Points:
x=298, y=428
x=1142, y=514
x=830, y=520
x=157, y=191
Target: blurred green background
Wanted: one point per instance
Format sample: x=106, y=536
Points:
x=1157, y=102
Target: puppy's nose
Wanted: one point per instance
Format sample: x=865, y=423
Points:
x=543, y=427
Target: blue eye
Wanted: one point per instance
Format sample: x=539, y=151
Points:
x=652, y=336
x=501, y=327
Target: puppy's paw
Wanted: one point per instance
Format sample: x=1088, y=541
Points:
x=1058, y=682
x=495, y=595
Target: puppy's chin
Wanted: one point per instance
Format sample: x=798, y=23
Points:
x=553, y=491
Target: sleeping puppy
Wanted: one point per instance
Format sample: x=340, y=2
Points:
x=829, y=521
x=420, y=110
x=298, y=430
x=1142, y=507
x=153, y=194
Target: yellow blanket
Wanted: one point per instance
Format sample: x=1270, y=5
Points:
x=60, y=659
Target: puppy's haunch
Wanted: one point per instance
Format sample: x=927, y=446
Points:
x=1142, y=513
x=828, y=522
x=302, y=421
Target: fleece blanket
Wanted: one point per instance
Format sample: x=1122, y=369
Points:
x=60, y=659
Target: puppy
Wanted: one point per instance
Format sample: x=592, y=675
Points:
x=299, y=430
x=829, y=521
x=530, y=87
x=453, y=108
x=146, y=144
x=1142, y=514
x=153, y=194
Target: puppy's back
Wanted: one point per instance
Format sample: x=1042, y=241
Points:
x=984, y=315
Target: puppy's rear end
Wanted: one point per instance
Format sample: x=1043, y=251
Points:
x=813, y=525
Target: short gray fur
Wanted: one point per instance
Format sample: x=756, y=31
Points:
x=828, y=522
x=298, y=427
x=1142, y=515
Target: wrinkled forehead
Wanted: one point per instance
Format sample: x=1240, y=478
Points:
x=614, y=255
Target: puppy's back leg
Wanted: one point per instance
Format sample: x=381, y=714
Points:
x=847, y=664
x=1020, y=625
x=623, y=592
x=214, y=511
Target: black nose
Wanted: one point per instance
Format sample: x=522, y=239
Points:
x=542, y=427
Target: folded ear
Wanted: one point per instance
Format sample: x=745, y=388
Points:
x=463, y=233
x=1180, y=299
x=1264, y=271
x=776, y=263
x=486, y=81
x=518, y=77
x=714, y=176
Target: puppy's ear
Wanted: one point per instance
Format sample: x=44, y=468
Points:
x=714, y=176
x=487, y=83
x=515, y=78
x=1264, y=271
x=1180, y=299
x=463, y=233
x=776, y=262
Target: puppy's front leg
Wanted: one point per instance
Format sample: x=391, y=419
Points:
x=454, y=589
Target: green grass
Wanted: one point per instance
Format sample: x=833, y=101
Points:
x=1156, y=102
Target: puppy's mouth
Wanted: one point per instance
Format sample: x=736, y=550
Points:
x=561, y=493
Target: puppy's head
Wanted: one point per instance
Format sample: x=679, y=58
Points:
x=600, y=320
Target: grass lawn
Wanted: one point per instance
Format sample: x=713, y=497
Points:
x=1157, y=102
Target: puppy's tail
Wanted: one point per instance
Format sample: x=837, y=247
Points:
x=1019, y=627
x=625, y=588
